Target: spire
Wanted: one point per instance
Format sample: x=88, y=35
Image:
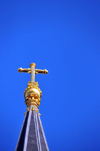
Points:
x=32, y=137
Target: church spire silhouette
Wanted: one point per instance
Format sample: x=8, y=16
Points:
x=32, y=137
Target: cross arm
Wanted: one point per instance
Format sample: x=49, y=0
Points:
x=41, y=71
x=24, y=70
x=29, y=70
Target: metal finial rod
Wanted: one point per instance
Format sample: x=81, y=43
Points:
x=32, y=65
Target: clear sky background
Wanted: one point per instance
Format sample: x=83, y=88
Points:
x=63, y=37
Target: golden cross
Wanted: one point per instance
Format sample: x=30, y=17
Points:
x=33, y=71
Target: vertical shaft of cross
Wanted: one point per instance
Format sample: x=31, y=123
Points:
x=32, y=65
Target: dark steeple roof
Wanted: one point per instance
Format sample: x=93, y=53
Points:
x=32, y=136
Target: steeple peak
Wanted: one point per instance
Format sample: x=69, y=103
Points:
x=32, y=93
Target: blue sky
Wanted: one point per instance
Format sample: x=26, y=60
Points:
x=63, y=37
